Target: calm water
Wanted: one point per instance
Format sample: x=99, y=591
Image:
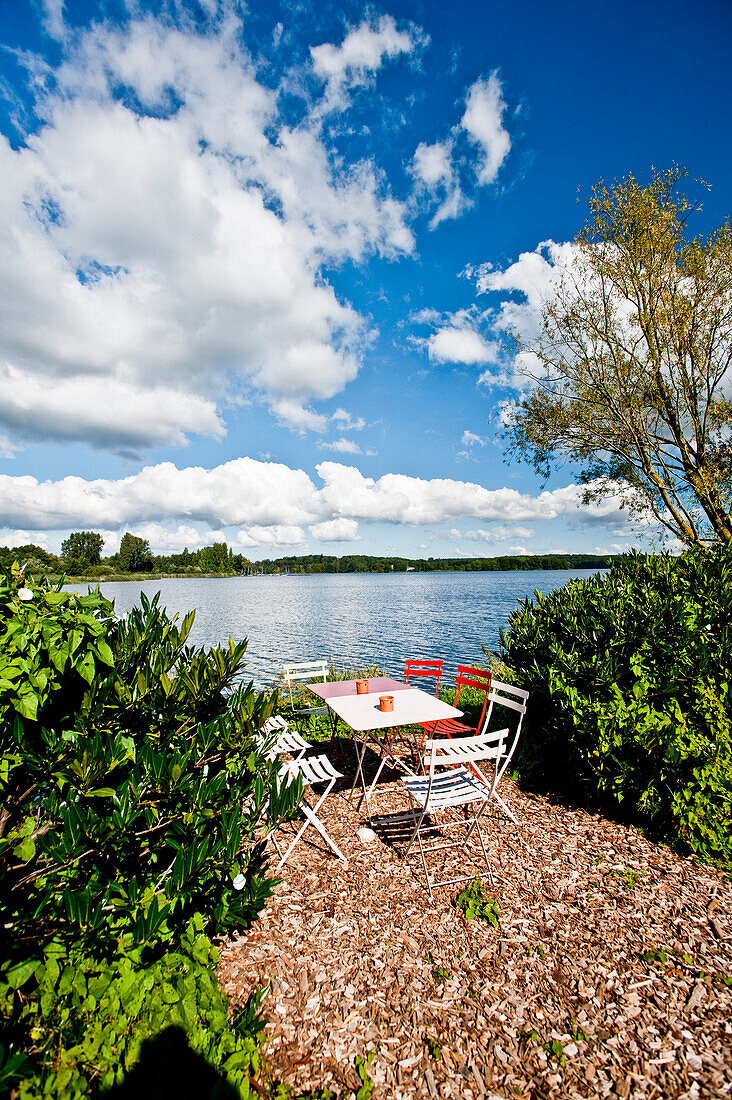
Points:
x=354, y=619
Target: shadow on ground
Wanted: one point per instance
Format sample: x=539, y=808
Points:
x=169, y=1070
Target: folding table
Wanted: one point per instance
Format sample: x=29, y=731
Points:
x=362, y=714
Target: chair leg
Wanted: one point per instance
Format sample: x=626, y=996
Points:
x=505, y=809
x=311, y=818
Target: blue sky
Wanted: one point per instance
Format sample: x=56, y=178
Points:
x=255, y=261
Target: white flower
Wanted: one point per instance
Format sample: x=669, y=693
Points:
x=25, y=594
x=205, y=770
x=239, y=882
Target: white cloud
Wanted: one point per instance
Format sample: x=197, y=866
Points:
x=113, y=413
x=500, y=533
x=336, y=530
x=361, y=54
x=346, y=423
x=437, y=177
x=271, y=503
x=240, y=492
x=460, y=345
x=470, y=439
x=401, y=499
x=342, y=446
x=163, y=235
x=275, y=535
x=483, y=122
x=53, y=18
x=472, y=154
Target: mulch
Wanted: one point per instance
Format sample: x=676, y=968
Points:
x=604, y=977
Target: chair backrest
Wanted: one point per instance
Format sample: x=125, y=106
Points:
x=416, y=668
x=513, y=699
x=304, y=672
x=479, y=678
x=450, y=752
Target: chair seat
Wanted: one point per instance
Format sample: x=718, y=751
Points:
x=446, y=727
x=314, y=769
x=455, y=787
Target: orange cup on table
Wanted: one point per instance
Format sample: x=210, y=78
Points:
x=386, y=703
x=362, y=687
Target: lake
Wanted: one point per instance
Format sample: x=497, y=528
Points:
x=355, y=619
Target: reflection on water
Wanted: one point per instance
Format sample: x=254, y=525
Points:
x=354, y=619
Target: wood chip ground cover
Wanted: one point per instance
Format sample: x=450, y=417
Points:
x=607, y=975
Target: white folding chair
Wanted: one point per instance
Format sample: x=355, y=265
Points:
x=450, y=782
x=277, y=739
x=513, y=699
x=313, y=769
x=301, y=674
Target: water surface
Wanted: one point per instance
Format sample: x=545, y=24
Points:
x=354, y=619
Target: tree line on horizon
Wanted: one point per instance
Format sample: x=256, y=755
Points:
x=81, y=555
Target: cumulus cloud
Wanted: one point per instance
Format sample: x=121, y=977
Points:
x=363, y=51
x=163, y=234
x=518, y=294
x=483, y=122
x=336, y=530
x=437, y=178
x=401, y=499
x=471, y=154
x=240, y=492
x=271, y=503
x=460, y=345
x=277, y=534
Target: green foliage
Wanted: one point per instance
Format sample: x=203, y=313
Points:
x=82, y=549
x=433, y=1047
x=555, y=1050
x=133, y=795
x=366, y=1087
x=134, y=554
x=135, y=807
x=476, y=905
x=630, y=676
x=83, y=1028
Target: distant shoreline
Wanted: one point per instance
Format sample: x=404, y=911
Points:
x=129, y=578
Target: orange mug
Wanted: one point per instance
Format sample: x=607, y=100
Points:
x=362, y=687
x=386, y=703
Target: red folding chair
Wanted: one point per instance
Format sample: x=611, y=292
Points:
x=431, y=669
x=468, y=676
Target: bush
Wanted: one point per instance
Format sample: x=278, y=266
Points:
x=83, y=1029
x=630, y=676
x=134, y=799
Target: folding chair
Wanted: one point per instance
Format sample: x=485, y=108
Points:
x=468, y=676
x=414, y=669
x=300, y=674
x=277, y=739
x=313, y=769
x=454, y=787
x=514, y=699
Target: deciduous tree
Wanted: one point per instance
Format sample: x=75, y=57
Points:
x=82, y=549
x=633, y=376
x=134, y=554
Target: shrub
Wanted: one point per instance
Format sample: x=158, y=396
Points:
x=134, y=799
x=630, y=676
x=84, y=1028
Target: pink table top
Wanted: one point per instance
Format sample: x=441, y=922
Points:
x=335, y=689
x=411, y=707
